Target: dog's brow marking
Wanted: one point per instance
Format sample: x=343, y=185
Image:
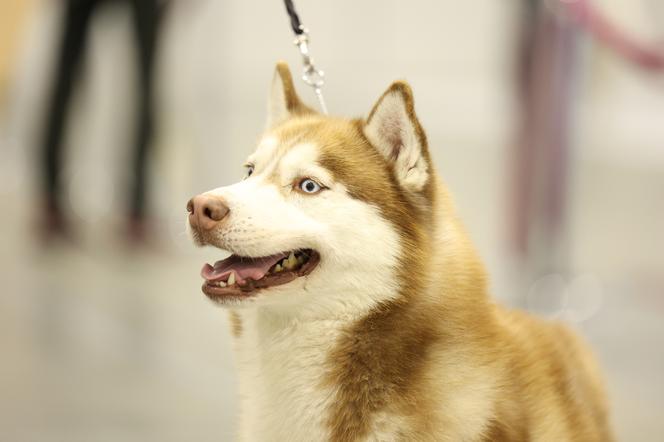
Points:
x=278, y=148
x=290, y=156
x=303, y=161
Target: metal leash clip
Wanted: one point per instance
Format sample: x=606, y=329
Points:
x=312, y=76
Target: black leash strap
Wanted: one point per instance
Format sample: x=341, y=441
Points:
x=312, y=76
x=294, y=18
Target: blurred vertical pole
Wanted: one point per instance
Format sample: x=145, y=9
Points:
x=540, y=157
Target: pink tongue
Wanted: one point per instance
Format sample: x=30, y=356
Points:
x=244, y=268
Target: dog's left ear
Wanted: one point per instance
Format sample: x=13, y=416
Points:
x=284, y=102
x=393, y=129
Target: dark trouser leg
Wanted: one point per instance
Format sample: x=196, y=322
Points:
x=146, y=22
x=74, y=33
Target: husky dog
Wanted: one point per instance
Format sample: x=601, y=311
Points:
x=359, y=308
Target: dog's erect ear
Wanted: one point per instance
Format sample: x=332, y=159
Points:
x=284, y=102
x=393, y=129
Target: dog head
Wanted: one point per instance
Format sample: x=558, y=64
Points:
x=332, y=213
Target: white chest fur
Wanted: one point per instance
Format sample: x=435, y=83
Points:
x=281, y=369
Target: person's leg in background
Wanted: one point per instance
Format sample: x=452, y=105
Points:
x=76, y=20
x=147, y=18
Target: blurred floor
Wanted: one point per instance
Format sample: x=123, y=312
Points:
x=100, y=343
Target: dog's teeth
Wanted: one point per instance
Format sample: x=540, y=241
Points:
x=221, y=284
x=300, y=260
x=231, y=279
x=278, y=268
x=292, y=262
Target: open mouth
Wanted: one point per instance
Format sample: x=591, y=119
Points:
x=238, y=277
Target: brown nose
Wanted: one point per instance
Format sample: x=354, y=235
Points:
x=206, y=211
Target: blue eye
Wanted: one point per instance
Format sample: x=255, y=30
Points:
x=310, y=186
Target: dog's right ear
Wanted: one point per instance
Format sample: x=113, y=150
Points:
x=284, y=102
x=394, y=130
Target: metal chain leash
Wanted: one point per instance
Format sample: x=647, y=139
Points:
x=310, y=74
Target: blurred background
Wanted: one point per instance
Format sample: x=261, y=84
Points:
x=546, y=119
